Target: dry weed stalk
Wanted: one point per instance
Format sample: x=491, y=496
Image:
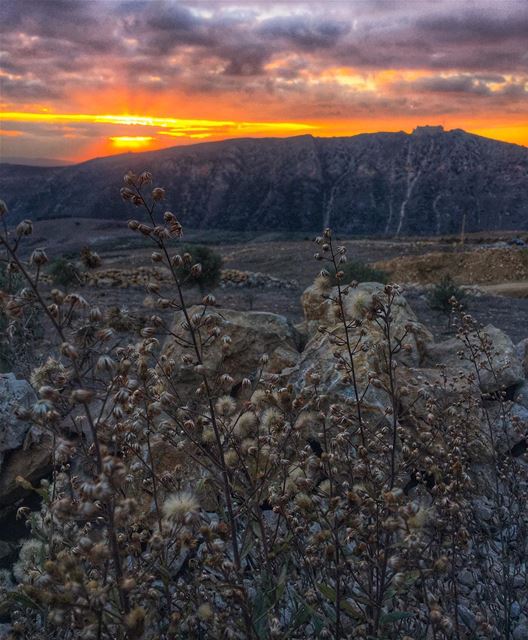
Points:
x=251, y=508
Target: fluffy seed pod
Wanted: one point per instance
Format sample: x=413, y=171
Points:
x=130, y=178
x=126, y=193
x=144, y=178
x=158, y=194
x=24, y=228
x=69, y=351
x=82, y=395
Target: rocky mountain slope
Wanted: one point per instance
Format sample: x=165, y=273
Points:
x=429, y=182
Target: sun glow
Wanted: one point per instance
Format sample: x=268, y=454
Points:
x=113, y=133
x=130, y=142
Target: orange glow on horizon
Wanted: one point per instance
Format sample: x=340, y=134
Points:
x=118, y=132
x=130, y=142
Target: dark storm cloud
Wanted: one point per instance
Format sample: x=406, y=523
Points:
x=67, y=45
x=304, y=32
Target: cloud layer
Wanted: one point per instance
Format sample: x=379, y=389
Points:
x=339, y=66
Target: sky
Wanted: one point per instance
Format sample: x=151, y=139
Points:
x=86, y=78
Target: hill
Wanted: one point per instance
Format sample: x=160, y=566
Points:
x=429, y=182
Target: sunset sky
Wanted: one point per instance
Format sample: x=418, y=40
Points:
x=85, y=78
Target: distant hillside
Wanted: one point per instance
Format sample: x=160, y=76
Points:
x=422, y=183
x=35, y=162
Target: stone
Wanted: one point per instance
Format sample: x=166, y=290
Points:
x=320, y=311
x=251, y=333
x=521, y=631
x=521, y=350
x=32, y=463
x=506, y=426
x=467, y=616
x=466, y=578
x=318, y=359
x=13, y=431
x=444, y=401
x=505, y=370
x=520, y=395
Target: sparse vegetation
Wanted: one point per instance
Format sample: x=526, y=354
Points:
x=64, y=272
x=357, y=496
x=355, y=271
x=200, y=266
x=443, y=295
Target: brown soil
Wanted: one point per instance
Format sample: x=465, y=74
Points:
x=480, y=266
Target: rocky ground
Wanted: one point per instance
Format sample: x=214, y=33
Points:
x=268, y=273
x=294, y=354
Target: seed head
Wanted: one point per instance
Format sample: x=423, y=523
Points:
x=130, y=178
x=158, y=194
x=225, y=406
x=181, y=507
x=82, y=395
x=24, y=228
x=144, y=178
x=38, y=258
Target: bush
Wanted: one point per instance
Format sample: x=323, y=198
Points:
x=441, y=296
x=361, y=272
x=205, y=277
x=63, y=272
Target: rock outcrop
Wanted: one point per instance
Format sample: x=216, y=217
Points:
x=24, y=450
x=498, y=370
x=251, y=334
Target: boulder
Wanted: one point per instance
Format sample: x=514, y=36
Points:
x=501, y=370
x=32, y=463
x=320, y=311
x=13, y=431
x=440, y=403
x=326, y=331
x=318, y=360
x=24, y=449
x=251, y=333
x=520, y=395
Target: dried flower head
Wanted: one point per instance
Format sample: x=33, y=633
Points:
x=181, y=507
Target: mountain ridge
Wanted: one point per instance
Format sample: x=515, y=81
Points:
x=388, y=183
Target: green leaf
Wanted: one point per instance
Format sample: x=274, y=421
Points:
x=328, y=592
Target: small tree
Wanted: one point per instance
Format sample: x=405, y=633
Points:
x=443, y=294
x=200, y=266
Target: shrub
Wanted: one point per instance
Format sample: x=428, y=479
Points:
x=201, y=266
x=443, y=294
x=356, y=271
x=64, y=272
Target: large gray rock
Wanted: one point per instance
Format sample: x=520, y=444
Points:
x=25, y=450
x=367, y=339
x=499, y=368
x=520, y=395
x=320, y=311
x=32, y=464
x=13, y=431
x=251, y=334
